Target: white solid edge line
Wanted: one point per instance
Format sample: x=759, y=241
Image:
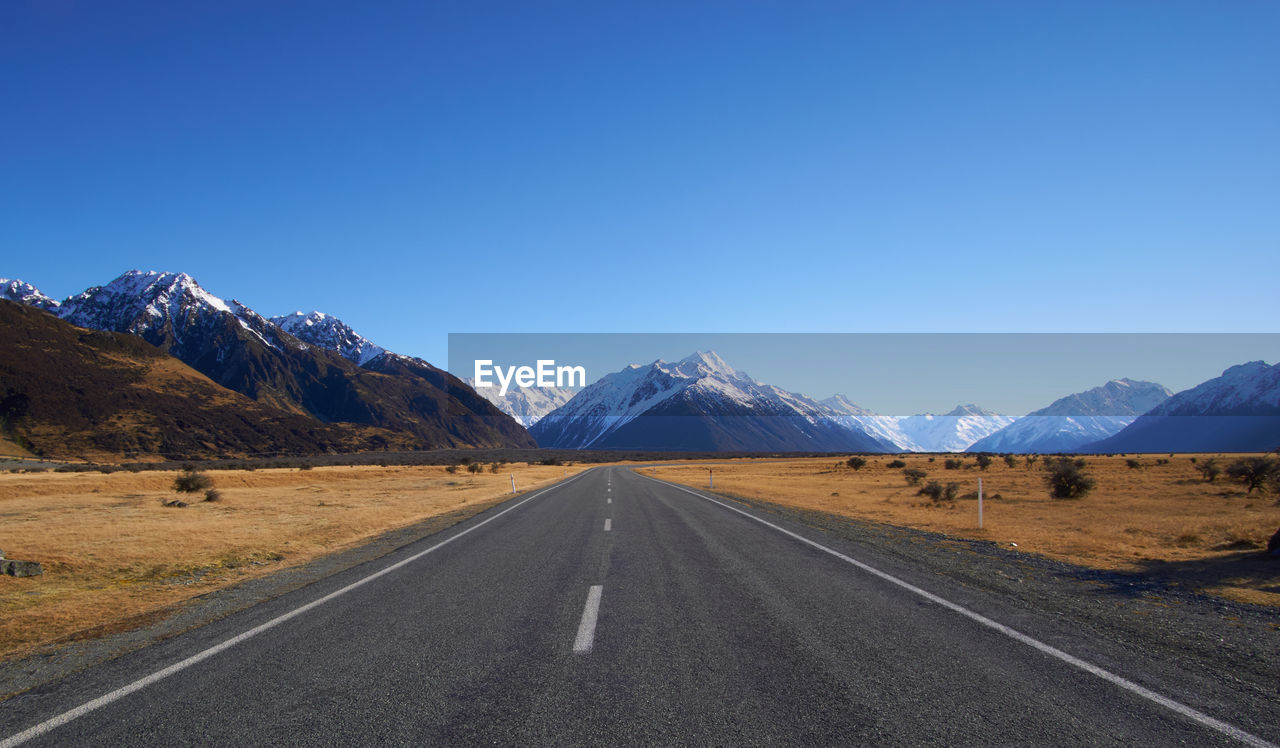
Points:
x=67, y=716
x=587, y=628
x=1128, y=685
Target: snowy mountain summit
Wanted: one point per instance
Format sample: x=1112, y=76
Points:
x=330, y=333
x=25, y=293
x=699, y=403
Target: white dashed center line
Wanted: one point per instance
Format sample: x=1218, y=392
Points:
x=587, y=629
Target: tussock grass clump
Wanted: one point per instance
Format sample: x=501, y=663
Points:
x=192, y=481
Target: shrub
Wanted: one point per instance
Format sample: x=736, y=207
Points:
x=895, y=464
x=1253, y=472
x=451, y=469
x=1133, y=464
x=1011, y=461
x=192, y=482
x=914, y=476
x=984, y=461
x=1209, y=469
x=1031, y=459
x=212, y=494
x=953, y=464
x=1066, y=478
x=494, y=467
x=474, y=467
x=938, y=492
x=856, y=463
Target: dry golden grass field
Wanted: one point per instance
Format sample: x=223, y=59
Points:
x=1159, y=517
x=113, y=555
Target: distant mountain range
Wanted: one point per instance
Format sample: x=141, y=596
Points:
x=326, y=373
x=1074, y=421
x=242, y=383
x=1236, y=412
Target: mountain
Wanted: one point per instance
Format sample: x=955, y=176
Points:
x=1076, y=420
x=952, y=432
x=69, y=392
x=1236, y=412
x=27, y=294
x=330, y=333
x=243, y=351
x=697, y=404
x=525, y=404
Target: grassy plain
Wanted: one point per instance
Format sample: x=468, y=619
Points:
x=1159, y=518
x=113, y=555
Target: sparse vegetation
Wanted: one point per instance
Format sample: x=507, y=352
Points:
x=1133, y=464
x=952, y=464
x=914, y=476
x=1031, y=459
x=855, y=462
x=192, y=481
x=1254, y=472
x=1066, y=478
x=937, y=492
x=984, y=461
x=1209, y=469
x=1011, y=460
x=475, y=467
x=896, y=464
x=212, y=494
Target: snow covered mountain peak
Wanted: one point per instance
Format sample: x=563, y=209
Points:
x=139, y=301
x=25, y=293
x=706, y=363
x=329, y=332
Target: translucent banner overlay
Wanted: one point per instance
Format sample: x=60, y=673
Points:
x=907, y=392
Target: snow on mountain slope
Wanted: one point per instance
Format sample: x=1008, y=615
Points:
x=701, y=403
x=525, y=404
x=1238, y=411
x=952, y=432
x=25, y=293
x=328, y=332
x=1076, y=420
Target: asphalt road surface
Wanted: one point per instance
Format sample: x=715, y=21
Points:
x=616, y=609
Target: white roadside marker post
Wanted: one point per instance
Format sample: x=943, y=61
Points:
x=711, y=479
x=513, y=483
x=979, y=503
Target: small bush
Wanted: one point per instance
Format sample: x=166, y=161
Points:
x=914, y=476
x=937, y=492
x=451, y=469
x=1133, y=464
x=984, y=461
x=212, y=494
x=857, y=463
x=192, y=482
x=1011, y=461
x=1254, y=472
x=1209, y=470
x=1066, y=479
x=953, y=464
x=494, y=467
x=1031, y=459
x=895, y=464
x=474, y=467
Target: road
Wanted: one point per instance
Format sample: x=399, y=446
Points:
x=616, y=609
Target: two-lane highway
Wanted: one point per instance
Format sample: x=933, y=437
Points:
x=613, y=608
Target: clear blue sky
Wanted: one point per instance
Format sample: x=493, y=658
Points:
x=426, y=167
